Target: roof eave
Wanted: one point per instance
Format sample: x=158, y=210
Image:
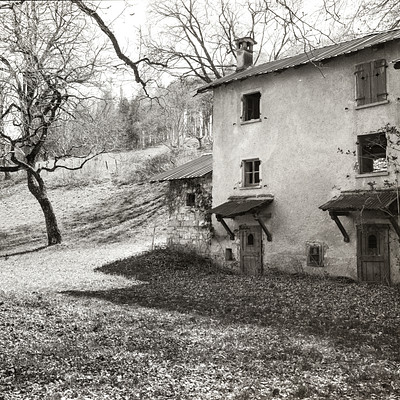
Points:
x=317, y=58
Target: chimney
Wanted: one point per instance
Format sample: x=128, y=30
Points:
x=244, y=53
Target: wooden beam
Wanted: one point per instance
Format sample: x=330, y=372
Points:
x=264, y=227
x=335, y=217
x=224, y=224
x=395, y=225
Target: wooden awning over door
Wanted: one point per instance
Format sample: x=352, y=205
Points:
x=242, y=206
x=385, y=201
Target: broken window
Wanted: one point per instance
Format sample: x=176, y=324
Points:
x=190, y=199
x=251, y=106
x=372, y=153
x=251, y=172
x=314, y=255
x=372, y=245
x=371, y=82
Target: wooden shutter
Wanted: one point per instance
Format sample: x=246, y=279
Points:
x=363, y=91
x=378, y=81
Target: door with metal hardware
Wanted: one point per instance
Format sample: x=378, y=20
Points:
x=373, y=253
x=251, y=250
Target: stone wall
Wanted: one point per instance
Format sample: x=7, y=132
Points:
x=190, y=225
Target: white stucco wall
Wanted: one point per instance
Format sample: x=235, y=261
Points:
x=307, y=113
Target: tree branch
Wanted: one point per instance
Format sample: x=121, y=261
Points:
x=107, y=31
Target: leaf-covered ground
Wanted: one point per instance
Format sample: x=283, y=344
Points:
x=185, y=330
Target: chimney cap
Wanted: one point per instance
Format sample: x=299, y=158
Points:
x=245, y=39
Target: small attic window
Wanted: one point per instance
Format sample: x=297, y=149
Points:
x=315, y=256
x=251, y=106
x=190, y=199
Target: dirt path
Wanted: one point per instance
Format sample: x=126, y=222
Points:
x=64, y=268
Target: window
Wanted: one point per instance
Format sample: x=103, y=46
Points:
x=372, y=245
x=251, y=106
x=372, y=153
x=251, y=171
x=190, y=199
x=371, y=82
x=315, y=255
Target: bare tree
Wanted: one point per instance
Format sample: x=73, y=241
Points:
x=378, y=14
x=47, y=61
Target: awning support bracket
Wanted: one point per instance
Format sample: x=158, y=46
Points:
x=263, y=227
x=224, y=224
x=335, y=217
x=395, y=225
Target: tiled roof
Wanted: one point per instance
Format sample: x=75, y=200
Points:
x=234, y=208
x=193, y=169
x=363, y=200
x=313, y=56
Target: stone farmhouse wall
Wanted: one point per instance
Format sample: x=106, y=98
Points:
x=189, y=223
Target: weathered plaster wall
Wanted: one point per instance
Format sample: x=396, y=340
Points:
x=307, y=113
x=190, y=225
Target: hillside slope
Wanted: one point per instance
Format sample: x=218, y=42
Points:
x=123, y=209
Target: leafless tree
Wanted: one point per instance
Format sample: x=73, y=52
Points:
x=47, y=61
x=378, y=14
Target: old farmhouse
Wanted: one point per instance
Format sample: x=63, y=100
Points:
x=305, y=167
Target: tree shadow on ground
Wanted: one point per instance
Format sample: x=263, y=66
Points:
x=347, y=314
x=23, y=251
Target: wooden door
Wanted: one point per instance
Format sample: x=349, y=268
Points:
x=251, y=250
x=373, y=254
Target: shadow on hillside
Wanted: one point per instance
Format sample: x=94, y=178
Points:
x=217, y=296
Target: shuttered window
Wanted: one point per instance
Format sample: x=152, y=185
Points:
x=371, y=82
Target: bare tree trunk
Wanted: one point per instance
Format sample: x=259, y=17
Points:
x=200, y=140
x=37, y=188
x=7, y=176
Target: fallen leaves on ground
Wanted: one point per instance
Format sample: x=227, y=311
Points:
x=187, y=330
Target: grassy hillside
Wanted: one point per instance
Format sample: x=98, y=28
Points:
x=91, y=210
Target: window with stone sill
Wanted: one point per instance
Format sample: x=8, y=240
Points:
x=251, y=106
x=251, y=173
